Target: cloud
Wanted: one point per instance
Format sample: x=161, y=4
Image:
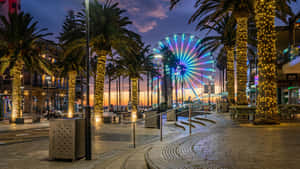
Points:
x=146, y=27
x=145, y=13
x=160, y=12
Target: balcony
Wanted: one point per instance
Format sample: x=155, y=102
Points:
x=293, y=66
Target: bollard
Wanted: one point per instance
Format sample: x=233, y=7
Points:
x=190, y=119
x=161, y=136
x=133, y=134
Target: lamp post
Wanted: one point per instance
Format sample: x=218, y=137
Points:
x=48, y=78
x=88, y=140
x=158, y=56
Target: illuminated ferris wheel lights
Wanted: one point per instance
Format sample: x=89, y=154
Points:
x=192, y=68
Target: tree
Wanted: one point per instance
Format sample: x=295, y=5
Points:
x=134, y=64
x=20, y=48
x=171, y=62
x=223, y=42
x=110, y=72
x=265, y=12
x=72, y=61
x=108, y=32
x=213, y=10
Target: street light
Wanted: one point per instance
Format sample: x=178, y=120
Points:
x=88, y=139
x=158, y=56
x=48, y=78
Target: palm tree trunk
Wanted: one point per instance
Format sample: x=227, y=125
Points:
x=117, y=96
x=134, y=96
x=176, y=91
x=165, y=86
x=16, y=92
x=182, y=95
x=148, y=79
x=266, y=36
x=71, y=92
x=139, y=92
x=241, y=50
x=82, y=93
x=152, y=90
x=99, y=86
x=171, y=88
x=120, y=96
x=129, y=89
x=230, y=75
x=109, y=93
x=223, y=82
x=158, y=95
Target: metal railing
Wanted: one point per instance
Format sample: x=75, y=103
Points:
x=178, y=111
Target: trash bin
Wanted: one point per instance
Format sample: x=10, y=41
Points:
x=152, y=119
x=1, y=110
x=171, y=115
x=67, y=139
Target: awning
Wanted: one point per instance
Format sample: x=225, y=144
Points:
x=292, y=67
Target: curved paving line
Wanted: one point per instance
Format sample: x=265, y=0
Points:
x=204, y=119
x=180, y=126
x=187, y=123
x=198, y=122
x=180, y=150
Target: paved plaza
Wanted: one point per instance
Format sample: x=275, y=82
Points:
x=228, y=145
x=225, y=144
x=110, y=141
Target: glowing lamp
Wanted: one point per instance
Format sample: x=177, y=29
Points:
x=158, y=56
x=133, y=116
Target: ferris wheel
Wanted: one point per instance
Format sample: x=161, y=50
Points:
x=193, y=71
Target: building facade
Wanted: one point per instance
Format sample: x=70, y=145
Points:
x=9, y=6
x=289, y=62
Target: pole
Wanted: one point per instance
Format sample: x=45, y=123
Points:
x=133, y=134
x=88, y=140
x=176, y=91
x=151, y=91
x=161, y=126
x=158, y=95
x=182, y=99
x=48, y=113
x=190, y=119
x=209, y=93
x=148, y=79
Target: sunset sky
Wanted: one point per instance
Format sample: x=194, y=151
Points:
x=152, y=19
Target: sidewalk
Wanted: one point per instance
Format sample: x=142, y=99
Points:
x=109, y=141
x=5, y=126
x=231, y=146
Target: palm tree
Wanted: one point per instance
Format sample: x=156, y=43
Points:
x=20, y=48
x=265, y=12
x=72, y=61
x=212, y=10
x=170, y=61
x=134, y=64
x=224, y=41
x=110, y=72
x=108, y=31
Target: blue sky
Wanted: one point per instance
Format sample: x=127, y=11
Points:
x=151, y=18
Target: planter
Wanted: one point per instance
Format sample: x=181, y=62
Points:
x=36, y=120
x=67, y=139
x=151, y=119
x=243, y=112
x=17, y=121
